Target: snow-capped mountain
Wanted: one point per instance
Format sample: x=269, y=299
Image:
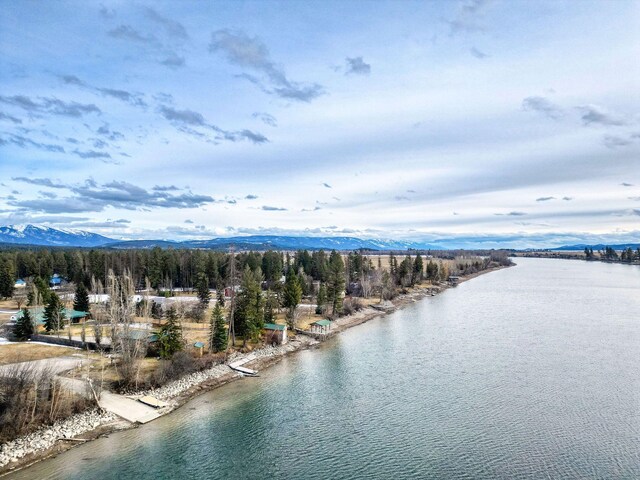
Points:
x=314, y=243
x=50, y=237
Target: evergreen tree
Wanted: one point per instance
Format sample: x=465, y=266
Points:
x=204, y=295
x=319, y=265
x=335, y=282
x=321, y=301
x=42, y=290
x=387, y=286
x=272, y=267
x=24, y=327
x=291, y=294
x=220, y=297
x=249, y=314
x=81, y=299
x=404, y=271
x=6, y=279
x=270, y=306
x=417, y=269
x=218, y=333
x=53, y=314
x=170, y=335
x=432, y=271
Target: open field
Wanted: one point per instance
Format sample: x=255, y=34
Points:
x=27, y=351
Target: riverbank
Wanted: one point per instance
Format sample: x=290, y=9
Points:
x=75, y=430
x=573, y=255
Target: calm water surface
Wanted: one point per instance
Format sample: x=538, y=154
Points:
x=529, y=372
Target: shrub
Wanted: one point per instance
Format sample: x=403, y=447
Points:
x=351, y=305
x=31, y=397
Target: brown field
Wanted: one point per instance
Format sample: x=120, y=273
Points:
x=23, y=352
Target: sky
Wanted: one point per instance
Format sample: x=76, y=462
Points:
x=472, y=123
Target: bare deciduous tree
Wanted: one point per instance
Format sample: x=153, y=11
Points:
x=127, y=343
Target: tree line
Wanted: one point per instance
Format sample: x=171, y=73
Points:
x=626, y=255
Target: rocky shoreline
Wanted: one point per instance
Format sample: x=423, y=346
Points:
x=79, y=428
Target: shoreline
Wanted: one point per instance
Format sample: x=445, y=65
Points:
x=50, y=441
x=565, y=255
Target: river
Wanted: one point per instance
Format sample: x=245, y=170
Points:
x=527, y=372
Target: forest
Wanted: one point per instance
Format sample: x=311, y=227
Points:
x=168, y=269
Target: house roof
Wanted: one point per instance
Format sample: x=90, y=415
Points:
x=39, y=314
x=142, y=335
x=322, y=323
x=274, y=326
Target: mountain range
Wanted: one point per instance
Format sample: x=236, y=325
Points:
x=35, y=235
x=51, y=237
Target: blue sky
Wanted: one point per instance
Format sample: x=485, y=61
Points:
x=481, y=122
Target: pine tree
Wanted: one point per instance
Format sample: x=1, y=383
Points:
x=335, y=282
x=404, y=271
x=270, y=306
x=218, y=332
x=204, y=295
x=6, y=280
x=432, y=271
x=321, y=300
x=417, y=269
x=81, y=299
x=53, y=314
x=292, y=294
x=249, y=314
x=220, y=297
x=43, y=291
x=170, y=335
x=24, y=327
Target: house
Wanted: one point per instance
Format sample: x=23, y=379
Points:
x=55, y=281
x=275, y=333
x=20, y=283
x=321, y=326
x=454, y=280
x=38, y=315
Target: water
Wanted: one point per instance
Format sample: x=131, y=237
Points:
x=529, y=372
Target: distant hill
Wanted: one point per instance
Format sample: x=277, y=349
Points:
x=599, y=246
x=51, y=237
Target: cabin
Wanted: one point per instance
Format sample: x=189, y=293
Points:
x=275, y=333
x=321, y=326
x=454, y=280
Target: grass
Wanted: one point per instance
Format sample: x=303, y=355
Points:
x=23, y=352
